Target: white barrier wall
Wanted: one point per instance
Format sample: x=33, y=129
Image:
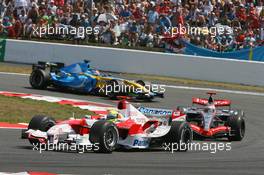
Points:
x=131, y=61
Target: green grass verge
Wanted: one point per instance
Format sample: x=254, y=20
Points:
x=15, y=110
x=15, y=68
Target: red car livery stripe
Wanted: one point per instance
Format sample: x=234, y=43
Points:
x=210, y=132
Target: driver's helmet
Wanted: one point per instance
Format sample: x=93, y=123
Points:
x=112, y=114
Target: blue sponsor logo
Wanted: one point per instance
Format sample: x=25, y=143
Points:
x=153, y=111
x=140, y=142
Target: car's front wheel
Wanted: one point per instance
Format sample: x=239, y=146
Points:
x=42, y=123
x=179, y=136
x=105, y=135
x=238, y=126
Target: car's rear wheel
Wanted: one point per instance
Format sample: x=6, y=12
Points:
x=39, y=79
x=105, y=135
x=238, y=126
x=179, y=136
x=42, y=123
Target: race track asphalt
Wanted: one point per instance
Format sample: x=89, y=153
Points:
x=246, y=157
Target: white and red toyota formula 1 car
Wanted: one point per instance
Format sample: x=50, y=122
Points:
x=209, y=121
x=124, y=127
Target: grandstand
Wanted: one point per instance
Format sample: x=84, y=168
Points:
x=133, y=23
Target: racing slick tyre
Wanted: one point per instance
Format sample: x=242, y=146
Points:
x=105, y=134
x=42, y=123
x=141, y=82
x=179, y=136
x=238, y=127
x=147, y=85
x=39, y=79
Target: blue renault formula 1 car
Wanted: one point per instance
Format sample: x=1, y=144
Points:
x=82, y=78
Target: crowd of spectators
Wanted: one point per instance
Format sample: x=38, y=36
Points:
x=146, y=23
